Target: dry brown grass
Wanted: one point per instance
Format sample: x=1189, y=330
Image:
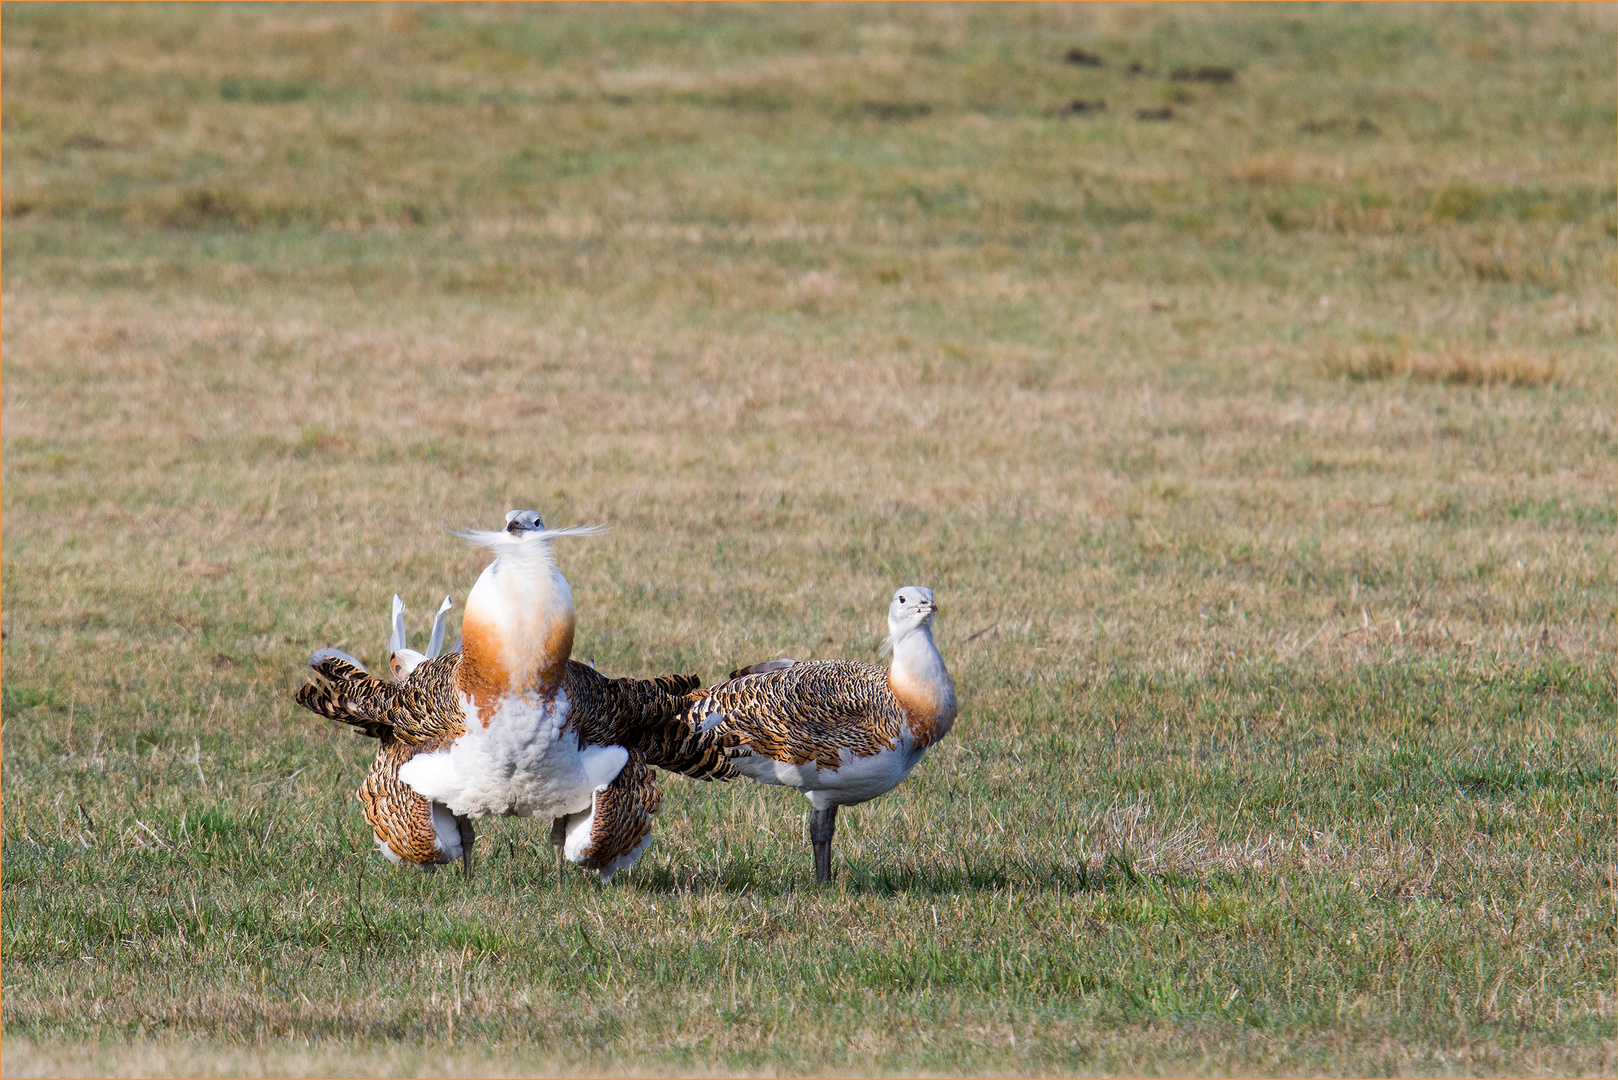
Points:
x=1203, y=1051
x=1451, y=365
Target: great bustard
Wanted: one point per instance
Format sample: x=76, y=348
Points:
x=510, y=725
x=840, y=732
x=644, y=716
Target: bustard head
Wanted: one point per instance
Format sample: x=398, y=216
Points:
x=912, y=609
x=519, y=522
x=524, y=530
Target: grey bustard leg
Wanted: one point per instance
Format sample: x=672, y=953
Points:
x=558, y=841
x=822, y=824
x=468, y=838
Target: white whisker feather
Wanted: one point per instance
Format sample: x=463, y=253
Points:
x=500, y=538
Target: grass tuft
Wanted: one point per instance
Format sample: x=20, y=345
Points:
x=1457, y=365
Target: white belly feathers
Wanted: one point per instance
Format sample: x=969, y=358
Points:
x=521, y=764
x=855, y=780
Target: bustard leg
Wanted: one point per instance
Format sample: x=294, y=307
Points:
x=558, y=840
x=468, y=838
x=822, y=825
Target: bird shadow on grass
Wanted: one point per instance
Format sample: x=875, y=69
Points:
x=1114, y=872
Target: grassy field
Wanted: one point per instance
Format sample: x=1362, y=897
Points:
x=1262, y=458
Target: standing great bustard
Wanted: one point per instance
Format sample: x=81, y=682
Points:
x=510, y=725
x=840, y=732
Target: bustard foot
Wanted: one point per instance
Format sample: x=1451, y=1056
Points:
x=559, y=841
x=468, y=838
x=822, y=826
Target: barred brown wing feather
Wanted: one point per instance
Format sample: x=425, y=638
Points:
x=646, y=717
x=334, y=704
x=397, y=815
x=807, y=712
x=424, y=708
x=623, y=815
x=679, y=684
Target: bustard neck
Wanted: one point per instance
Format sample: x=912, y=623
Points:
x=517, y=633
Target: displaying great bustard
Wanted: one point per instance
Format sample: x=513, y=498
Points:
x=510, y=725
x=840, y=732
x=419, y=716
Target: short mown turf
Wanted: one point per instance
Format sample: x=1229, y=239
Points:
x=1262, y=458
